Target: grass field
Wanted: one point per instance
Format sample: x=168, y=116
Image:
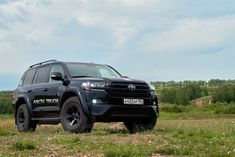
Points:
x=178, y=135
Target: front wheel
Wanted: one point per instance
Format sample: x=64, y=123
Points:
x=140, y=125
x=73, y=119
x=23, y=121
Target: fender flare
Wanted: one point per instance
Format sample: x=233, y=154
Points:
x=27, y=102
x=80, y=96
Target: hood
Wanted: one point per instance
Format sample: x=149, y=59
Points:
x=126, y=80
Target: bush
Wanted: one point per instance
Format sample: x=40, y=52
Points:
x=5, y=107
x=168, y=95
x=182, y=95
x=225, y=93
x=218, y=108
x=225, y=108
x=174, y=108
x=5, y=103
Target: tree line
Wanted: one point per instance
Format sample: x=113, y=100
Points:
x=182, y=95
x=212, y=82
x=183, y=92
x=225, y=93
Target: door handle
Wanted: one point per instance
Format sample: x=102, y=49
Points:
x=45, y=89
x=29, y=91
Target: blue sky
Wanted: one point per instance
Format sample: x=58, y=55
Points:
x=145, y=39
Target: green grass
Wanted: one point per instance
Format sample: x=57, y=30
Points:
x=4, y=132
x=181, y=135
x=200, y=138
x=24, y=145
x=117, y=150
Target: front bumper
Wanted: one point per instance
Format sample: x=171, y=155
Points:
x=118, y=113
x=112, y=109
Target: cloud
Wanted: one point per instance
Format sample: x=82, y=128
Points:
x=26, y=27
x=119, y=32
x=133, y=3
x=29, y=27
x=120, y=18
x=192, y=36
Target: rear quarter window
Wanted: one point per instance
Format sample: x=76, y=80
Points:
x=29, y=76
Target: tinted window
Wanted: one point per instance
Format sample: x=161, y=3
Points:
x=43, y=74
x=29, y=76
x=56, y=68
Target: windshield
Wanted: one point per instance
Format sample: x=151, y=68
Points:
x=91, y=70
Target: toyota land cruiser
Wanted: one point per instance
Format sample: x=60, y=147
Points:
x=79, y=94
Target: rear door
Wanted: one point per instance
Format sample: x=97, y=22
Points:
x=41, y=105
x=46, y=102
x=28, y=88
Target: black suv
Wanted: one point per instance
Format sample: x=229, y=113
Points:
x=79, y=94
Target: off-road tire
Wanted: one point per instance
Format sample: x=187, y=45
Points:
x=73, y=119
x=140, y=125
x=23, y=120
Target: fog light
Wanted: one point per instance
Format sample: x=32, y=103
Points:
x=94, y=101
x=154, y=103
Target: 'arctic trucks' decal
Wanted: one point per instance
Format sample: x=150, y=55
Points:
x=46, y=101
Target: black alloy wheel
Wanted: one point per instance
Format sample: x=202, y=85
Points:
x=23, y=121
x=73, y=116
x=73, y=119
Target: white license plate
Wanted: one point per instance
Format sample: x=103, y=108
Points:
x=133, y=101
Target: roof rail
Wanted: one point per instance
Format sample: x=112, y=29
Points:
x=48, y=61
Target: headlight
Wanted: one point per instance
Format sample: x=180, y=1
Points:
x=93, y=85
x=151, y=86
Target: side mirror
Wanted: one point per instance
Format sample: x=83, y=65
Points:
x=57, y=76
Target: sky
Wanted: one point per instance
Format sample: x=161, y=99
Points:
x=152, y=40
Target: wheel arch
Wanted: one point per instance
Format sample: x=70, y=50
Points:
x=22, y=99
x=71, y=93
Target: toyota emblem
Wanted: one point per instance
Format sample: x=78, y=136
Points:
x=131, y=87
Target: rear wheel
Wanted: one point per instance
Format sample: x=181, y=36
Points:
x=23, y=121
x=73, y=119
x=140, y=125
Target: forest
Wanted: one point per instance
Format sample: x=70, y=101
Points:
x=184, y=92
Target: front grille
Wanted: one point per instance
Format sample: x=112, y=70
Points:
x=121, y=90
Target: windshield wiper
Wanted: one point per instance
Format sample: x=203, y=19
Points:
x=81, y=76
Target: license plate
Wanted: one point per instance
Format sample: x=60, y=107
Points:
x=133, y=101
